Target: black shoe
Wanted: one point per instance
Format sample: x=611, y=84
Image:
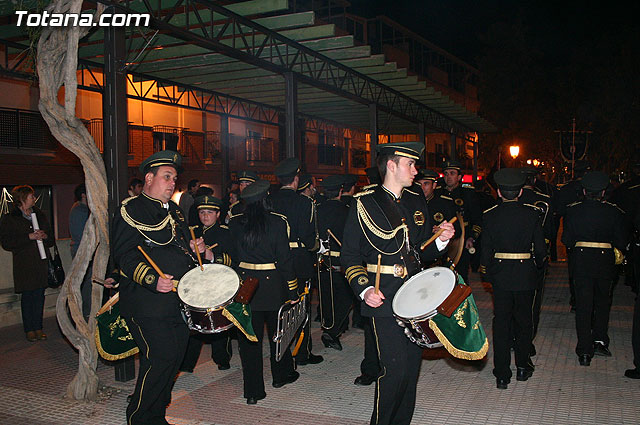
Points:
x=364, y=380
x=584, y=359
x=312, y=359
x=524, y=373
x=224, y=366
x=600, y=349
x=254, y=400
x=331, y=342
x=502, y=384
x=293, y=377
x=532, y=351
x=632, y=373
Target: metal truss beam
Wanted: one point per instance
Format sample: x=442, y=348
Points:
x=15, y=65
x=264, y=48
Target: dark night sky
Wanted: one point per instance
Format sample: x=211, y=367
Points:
x=556, y=27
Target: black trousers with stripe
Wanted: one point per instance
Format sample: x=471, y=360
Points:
x=335, y=299
x=395, y=392
x=593, y=305
x=162, y=343
x=221, y=350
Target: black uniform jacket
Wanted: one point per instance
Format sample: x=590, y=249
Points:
x=332, y=214
x=566, y=195
x=299, y=211
x=275, y=285
x=164, y=235
x=513, y=228
x=369, y=231
x=216, y=234
x=593, y=221
x=466, y=201
x=441, y=208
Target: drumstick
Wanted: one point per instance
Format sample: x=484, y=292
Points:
x=193, y=236
x=377, y=287
x=214, y=245
x=334, y=237
x=436, y=235
x=154, y=265
x=112, y=301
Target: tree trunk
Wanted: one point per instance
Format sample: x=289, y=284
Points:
x=57, y=59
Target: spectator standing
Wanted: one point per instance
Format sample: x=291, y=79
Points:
x=78, y=217
x=29, y=270
x=186, y=199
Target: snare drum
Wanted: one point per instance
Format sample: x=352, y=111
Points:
x=417, y=301
x=204, y=293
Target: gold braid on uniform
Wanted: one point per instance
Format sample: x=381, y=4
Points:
x=363, y=216
x=143, y=227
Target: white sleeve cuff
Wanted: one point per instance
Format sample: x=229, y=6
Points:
x=364, y=291
x=441, y=245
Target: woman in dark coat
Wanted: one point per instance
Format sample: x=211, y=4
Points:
x=261, y=250
x=29, y=270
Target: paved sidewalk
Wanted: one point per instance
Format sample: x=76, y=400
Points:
x=34, y=375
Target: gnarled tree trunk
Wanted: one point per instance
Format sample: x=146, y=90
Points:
x=57, y=59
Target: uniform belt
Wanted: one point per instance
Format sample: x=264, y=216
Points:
x=296, y=245
x=332, y=253
x=397, y=270
x=251, y=266
x=601, y=245
x=512, y=255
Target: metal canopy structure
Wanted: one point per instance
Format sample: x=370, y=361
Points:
x=233, y=60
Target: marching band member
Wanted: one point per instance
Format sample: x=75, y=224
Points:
x=380, y=239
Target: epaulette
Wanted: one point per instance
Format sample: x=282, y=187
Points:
x=532, y=206
x=573, y=204
x=614, y=205
x=541, y=194
x=233, y=205
x=224, y=226
x=446, y=197
x=411, y=191
x=284, y=217
x=369, y=187
x=634, y=186
x=366, y=192
x=489, y=209
x=126, y=201
x=468, y=186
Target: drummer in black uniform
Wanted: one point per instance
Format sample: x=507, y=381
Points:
x=466, y=201
x=592, y=229
x=218, y=239
x=300, y=213
x=147, y=301
x=387, y=224
x=335, y=294
x=261, y=250
x=441, y=207
x=511, y=229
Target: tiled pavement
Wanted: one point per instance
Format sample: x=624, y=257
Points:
x=34, y=375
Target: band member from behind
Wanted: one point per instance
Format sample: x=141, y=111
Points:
x=441, y=207
x=592, y=229
x=466, y=201
x=335, y=294
x=218, y=239
x=300, y=213
x=307, y=187
x=513, y=250
x=349, y=188
x=261, y=250
x=389, y=223
x=147, y=301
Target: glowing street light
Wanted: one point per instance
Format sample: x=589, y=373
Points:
x=514, y=151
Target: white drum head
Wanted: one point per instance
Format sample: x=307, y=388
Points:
x=208, y=288
x=423, y=293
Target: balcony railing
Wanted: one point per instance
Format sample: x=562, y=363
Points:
x=260, y=149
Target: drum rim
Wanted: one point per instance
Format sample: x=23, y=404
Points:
x=219, y=306
x=427, y=314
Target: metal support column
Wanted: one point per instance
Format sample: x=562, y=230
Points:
x=452, y=146
x=373, y=126
x=291, y=110
x=114, y=114
x=422, y=139
x=224, y=149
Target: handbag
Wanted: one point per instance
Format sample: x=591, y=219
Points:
x=55, y=269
